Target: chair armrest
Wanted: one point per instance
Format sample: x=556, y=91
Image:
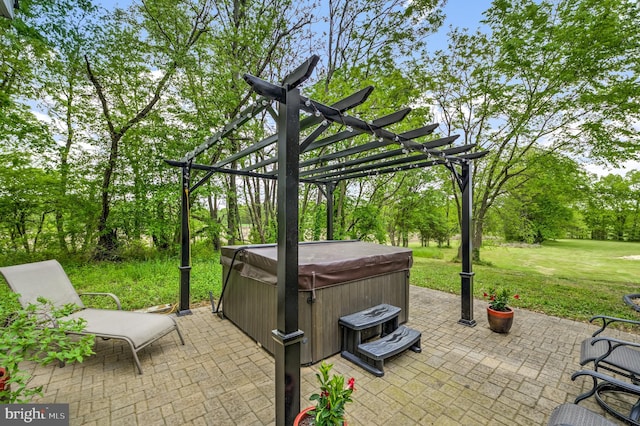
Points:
x=614, y=342
x=606, y=320
x=596, y=375
x=113, y=296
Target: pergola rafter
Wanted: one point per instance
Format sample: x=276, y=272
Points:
x=388, y=152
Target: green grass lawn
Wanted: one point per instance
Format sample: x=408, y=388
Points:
x=572, y=259
x=568, y=278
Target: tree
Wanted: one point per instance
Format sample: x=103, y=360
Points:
x=412, y=204
x=362, y=43
x=610, y=208
x=371, y=32
x=634, y=188
x=157, y=35
x=258, y=38
x=67, y=28
x=548, y=77
x=538, y=206
x=25, y=200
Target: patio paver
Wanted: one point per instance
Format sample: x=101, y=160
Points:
x=464, y=376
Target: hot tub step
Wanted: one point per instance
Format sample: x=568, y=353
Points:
x=370, y=317
x=374, y=353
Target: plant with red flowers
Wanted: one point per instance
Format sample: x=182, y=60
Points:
x=332, y=398
x=499, y=299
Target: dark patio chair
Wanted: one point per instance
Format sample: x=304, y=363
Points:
x=47, y=279
x=619, y=398
x=576, y=415
x=618, y=356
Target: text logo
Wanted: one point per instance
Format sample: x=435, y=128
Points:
x=34, y=414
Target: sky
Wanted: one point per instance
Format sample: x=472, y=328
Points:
x=459, y=13
x=463, y=14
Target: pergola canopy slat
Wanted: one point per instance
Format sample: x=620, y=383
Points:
x=362, y=148
x=310, y=143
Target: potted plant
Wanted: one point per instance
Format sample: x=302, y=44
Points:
x=36, y=333
x=499, y=314
x=330, y=402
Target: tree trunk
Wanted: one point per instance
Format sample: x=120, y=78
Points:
x=232, y=209
x=478, y=228
x=213, y=214
x=107, y=237
x=64, y=172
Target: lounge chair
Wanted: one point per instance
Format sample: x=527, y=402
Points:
x=48, y=280
x=618, y=356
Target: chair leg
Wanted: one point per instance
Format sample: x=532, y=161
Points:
x=137, y=361
x=635, y=411
x=180, y=334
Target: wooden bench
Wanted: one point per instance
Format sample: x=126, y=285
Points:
x=393, y=339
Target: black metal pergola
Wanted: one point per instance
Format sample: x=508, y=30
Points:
x=386, y=152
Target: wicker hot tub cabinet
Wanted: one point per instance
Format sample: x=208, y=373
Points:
x=336, y=278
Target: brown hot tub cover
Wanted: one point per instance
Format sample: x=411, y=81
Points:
x=320, y=265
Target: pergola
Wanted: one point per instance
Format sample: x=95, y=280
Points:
x=386, y=152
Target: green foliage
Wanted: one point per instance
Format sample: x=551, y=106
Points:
x=544, y=77
x=499, y=298
x=537, y=206
x=613, y=208
x=25, y=201
x=333, y=397
x=148, y=282
x=367, y=225
x=39, y=334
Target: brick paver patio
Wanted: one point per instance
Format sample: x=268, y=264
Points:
x=464, y=376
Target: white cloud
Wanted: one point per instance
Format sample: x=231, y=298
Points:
x=42, y=117
x=621, y=169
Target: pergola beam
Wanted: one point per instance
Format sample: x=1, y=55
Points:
x=349, y=102
x=275, y=92
x=308, y=144
x=372, y=159
x=244, y=116
x=376, y=172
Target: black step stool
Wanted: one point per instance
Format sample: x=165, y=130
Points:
x=393, y=339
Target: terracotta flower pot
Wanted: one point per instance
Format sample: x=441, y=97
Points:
x=4, y=377
x=500, y=321
x=305, y=419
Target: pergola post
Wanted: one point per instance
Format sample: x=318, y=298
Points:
x=466, y=186
x=185, y=246
x=287, y=335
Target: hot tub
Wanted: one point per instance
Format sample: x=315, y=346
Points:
x=336, y=278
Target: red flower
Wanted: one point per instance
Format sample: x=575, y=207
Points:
x=352, y=384
x=486, y=295
x=324, y=394
x=517, y=296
